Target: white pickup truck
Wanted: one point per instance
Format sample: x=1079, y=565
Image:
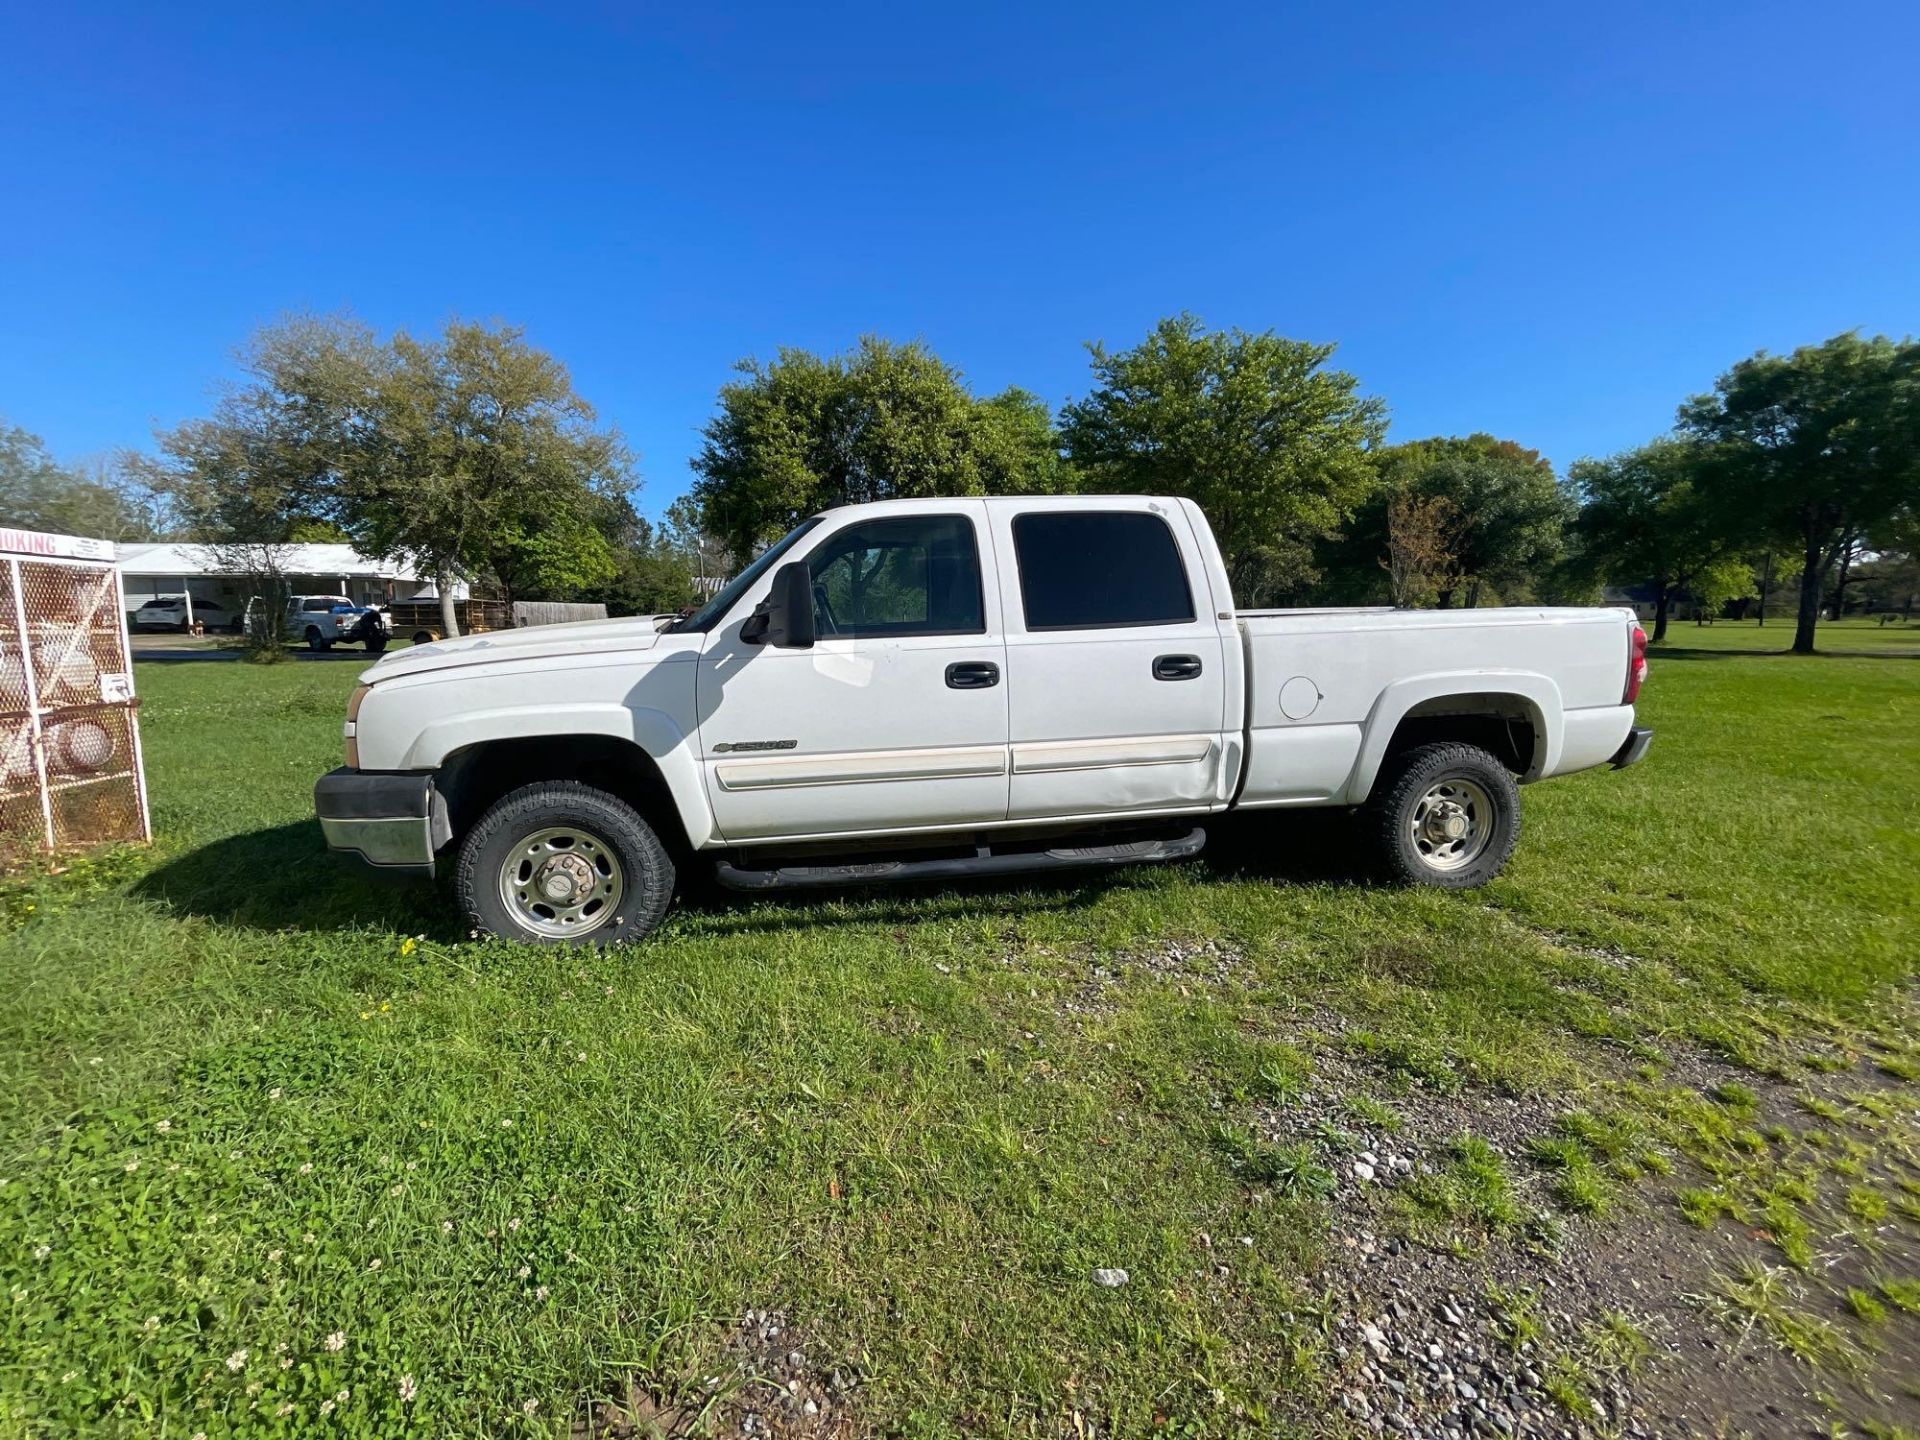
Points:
x=922, y=689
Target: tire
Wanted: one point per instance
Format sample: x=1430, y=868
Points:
x=315, y=640
x=424, y=637
x=376, y=644
x=622, y=876
x=1414, y=806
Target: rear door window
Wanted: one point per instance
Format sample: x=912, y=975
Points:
x=1087, y=570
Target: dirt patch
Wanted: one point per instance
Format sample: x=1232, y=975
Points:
x=765, y=1384
x=1624, y=1325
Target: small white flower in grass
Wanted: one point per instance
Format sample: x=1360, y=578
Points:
x=336, y=1342
x=163, y=1126
x=540, y=1292
x=274, y=1255
x=344, y=1396
x=581, y=1056
x=407, y=1389
x=373, y=1265
x=286, y=1362
x=284, y=1410
x=506, y=1124
x=132, y=1165
x=307, y=1239
x=69, y=1377
x=530, y=1406
x=150, y=1324
x=413, y=1164
x=307, y=1169
x=514, y=1224
x=524, y=1271
x=237, y=1361
x=41, y=1252
x=446, y=1227
x=233, y=1154
x=571, y=1257
x=96, y=1060
x=326, y=1407
x=199, y=1435
x=395, y=1189
x=275, y=1093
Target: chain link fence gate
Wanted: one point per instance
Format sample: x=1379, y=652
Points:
x=70, y=770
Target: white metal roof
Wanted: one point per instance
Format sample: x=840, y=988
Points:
x=185, y=560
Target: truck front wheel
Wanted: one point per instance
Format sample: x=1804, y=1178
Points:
x=1445, y=814
x=563, y=862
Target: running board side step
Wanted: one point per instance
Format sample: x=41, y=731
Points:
x=884, y=872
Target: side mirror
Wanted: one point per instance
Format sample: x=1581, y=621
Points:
x=785, y=617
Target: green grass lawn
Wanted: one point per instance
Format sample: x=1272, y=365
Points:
x=283, y=1152
x=1856, y=635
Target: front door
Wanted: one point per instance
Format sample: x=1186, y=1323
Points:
x=1115, y=661
x=895, y=718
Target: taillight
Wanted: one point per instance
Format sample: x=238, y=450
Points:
x=1636, y=665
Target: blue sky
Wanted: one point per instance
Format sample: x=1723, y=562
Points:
x=1551, y=222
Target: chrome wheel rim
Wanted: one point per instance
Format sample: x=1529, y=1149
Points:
x=562, y=882
x=1451, y=824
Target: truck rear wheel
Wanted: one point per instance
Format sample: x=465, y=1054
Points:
x=564, y=863
x=1445, y=814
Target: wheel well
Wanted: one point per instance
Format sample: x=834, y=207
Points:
x=1502, y=725
x=472, y=779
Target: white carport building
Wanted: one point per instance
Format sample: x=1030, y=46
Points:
x=156, y=571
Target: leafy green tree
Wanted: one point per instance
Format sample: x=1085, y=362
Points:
x=476, y=454
x=1717, y=584
x=36, y=493
x=1271, y=443
x=881, y=421
x=251, y=479
x=1811, y=450
x=1642, y=520
x=1510, y=512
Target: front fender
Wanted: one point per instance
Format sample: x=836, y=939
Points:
x=1537, y=694
x=654, y=731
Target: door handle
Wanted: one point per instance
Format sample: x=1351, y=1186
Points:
x=972, y=675
x=1176, y=667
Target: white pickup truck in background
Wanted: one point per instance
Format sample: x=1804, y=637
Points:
x=934, y=688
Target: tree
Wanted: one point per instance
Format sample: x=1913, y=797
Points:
x=1511, y=513
x=1254, y=427
x=471, y=453
x=253, y=478
x=1641, y=519
x=36, y=493
x=1420, y=548
x=1717, y=584
x=882, y=421
x=1811, y=450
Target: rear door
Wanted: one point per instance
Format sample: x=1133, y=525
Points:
x=1116, y=673
x=896, y=717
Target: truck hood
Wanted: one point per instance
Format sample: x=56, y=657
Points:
x=534, y=642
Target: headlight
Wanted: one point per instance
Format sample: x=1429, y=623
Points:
x=352, y=727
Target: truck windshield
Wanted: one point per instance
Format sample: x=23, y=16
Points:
x=708, y=615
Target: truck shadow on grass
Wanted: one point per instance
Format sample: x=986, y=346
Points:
x=284, y=878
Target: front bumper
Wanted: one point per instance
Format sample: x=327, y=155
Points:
x=1635, y=748
x=392, y=821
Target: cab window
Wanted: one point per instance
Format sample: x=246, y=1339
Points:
x=915, y=575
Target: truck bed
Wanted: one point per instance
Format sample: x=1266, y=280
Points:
x=1327, y=689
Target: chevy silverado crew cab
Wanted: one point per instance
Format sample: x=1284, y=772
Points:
x=932, y=688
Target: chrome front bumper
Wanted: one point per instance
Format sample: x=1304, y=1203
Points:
x=392, y=821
